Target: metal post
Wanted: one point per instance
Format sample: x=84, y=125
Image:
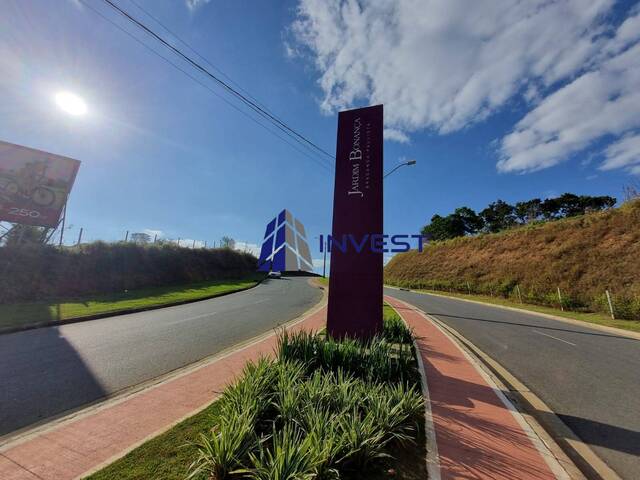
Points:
x=205, y=244
x=519, y=294
x=80, y=236
x=179, y=241
x=469, y=288
x=64, y=217
x=194, y=244
x=324, y=261
x=560, y=298
x=155, y=237
x=126, y=237
x=610, y=304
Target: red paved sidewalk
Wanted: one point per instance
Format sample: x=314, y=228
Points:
x=477, y=435
x=79, y=445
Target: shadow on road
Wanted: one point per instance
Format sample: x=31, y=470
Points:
x=42, y=375
x=609, y=436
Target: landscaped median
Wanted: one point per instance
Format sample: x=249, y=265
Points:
x=27, y=315
x=320, y=409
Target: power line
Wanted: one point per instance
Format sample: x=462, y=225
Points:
x=253, y=105
x=195, y=52
x=202, y=84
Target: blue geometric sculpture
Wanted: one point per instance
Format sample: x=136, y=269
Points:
x=285, y=246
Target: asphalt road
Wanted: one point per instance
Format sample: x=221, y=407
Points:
x=48, y=371
x=590, y=378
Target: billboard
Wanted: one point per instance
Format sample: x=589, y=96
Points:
x=355, y=283
x=34, y=185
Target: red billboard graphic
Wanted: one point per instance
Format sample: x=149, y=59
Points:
x=355, y=282
x=34, y=185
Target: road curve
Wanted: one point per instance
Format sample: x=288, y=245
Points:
x=47, y=371
x=590, y=378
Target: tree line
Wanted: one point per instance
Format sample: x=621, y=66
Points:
x=500, y=215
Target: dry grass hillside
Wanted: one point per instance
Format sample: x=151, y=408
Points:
x=584, y=256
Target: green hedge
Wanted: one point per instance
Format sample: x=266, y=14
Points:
x=31, y=273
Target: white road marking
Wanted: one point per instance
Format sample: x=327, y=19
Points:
x=182, y=320
x=555, y=338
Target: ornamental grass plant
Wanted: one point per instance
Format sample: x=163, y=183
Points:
x=322, y=409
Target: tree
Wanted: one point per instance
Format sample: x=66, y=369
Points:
x=595, y=204
x=631, y=191
x=550, y=208
x=227, y=242
x=444, y=228
x=528, y=211
x=140, y=237
x=499, y=215
x=570, y=205
x=470, y=219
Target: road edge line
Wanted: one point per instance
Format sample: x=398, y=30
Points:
x=567, y=443
x=620, y=332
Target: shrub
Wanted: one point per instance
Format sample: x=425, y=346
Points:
x=221, y=453
x=289, y=457
x=38, y=272
x=321, y=409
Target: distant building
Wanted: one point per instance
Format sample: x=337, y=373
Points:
x=285, y=246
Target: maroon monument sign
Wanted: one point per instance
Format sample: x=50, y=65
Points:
x=355, y=282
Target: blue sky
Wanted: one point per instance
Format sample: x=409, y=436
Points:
x=493, y=101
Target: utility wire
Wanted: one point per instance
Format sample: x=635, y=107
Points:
x=253, y=105
x=199, y=82
x=195, y=52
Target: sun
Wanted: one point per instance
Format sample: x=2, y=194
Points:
x=71, y=103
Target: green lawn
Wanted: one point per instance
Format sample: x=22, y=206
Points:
x=25, y=314
x=597, y=318
x=166, y=456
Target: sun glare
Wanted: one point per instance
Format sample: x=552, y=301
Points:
x=71, y=103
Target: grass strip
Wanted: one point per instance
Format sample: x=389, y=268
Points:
x=27, y=314
x=166, y=456
x=595, y=318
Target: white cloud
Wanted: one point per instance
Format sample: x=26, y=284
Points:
x=625, y=153
x=395, y=135
x=189, y=243
x=154, y=233
x=194, y=4
x=248, y=247
x=602, y=102
x=443, y=65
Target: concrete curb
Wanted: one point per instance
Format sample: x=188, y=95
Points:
x=576, y=453
x=579, y=323
x=33, y=326
x=431, y=455
x=484, y=435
